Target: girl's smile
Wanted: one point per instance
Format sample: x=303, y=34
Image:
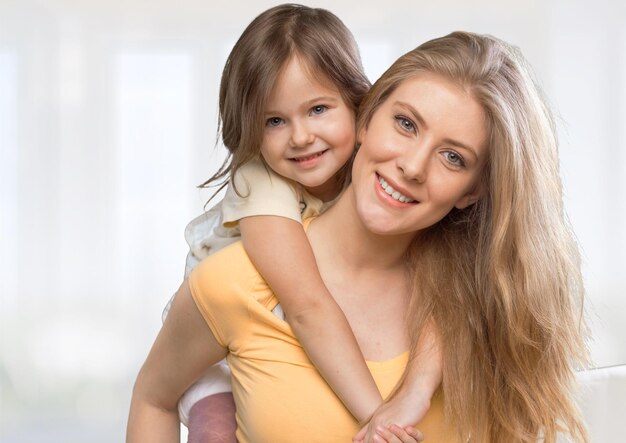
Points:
x=310, y=160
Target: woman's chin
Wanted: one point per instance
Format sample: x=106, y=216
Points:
x=380, y=223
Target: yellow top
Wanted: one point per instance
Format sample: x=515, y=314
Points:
x=280, y=396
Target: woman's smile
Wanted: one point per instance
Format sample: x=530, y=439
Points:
x=393, y=194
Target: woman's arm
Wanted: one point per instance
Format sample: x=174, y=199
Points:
x=281, y=252
x=184, y=348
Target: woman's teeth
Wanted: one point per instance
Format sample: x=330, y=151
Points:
x=393, y=193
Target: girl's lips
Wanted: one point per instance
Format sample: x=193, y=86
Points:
x=308, y=157
x=308, y=161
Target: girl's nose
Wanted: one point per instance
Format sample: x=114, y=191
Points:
x=301, y=135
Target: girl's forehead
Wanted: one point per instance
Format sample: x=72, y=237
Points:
x=311, y=70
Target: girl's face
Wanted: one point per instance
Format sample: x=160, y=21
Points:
x=421, y=155
x=309, y=130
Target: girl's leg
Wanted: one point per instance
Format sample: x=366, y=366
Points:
x=212, y=420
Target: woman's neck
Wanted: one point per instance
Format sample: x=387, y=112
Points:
x=340, y=232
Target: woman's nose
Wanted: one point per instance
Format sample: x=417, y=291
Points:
x=414, y=163
x=301, y=135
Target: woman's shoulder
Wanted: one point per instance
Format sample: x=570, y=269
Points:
x=230, y=265
x=230, y=273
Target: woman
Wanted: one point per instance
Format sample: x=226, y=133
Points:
x=454, y=213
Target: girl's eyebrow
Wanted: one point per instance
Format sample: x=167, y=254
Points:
x=422, y=122
x=322, y=98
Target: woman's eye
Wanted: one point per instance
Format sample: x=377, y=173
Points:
x=405, y=123
x=454, y=159
x=319, y=109
x=274, y=121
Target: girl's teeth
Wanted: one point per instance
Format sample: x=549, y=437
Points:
x=310, y=157
x=393, y=193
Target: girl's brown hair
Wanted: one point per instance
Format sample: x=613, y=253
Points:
x=317, y=37
x=501, y=278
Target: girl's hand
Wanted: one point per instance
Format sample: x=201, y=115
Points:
x=395, y=434
x=402, y=410
x=411, y=403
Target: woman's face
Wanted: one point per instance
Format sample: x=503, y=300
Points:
x=421, y=155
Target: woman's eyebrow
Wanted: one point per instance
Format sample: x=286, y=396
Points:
x=413, y=111
x=458, y=144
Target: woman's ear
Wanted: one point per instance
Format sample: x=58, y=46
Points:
x=467, y=200
x=471, y=197
x=477, y=191
x=359, y=136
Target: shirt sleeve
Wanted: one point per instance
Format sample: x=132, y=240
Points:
x=263, y=192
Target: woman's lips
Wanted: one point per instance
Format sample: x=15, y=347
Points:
x=392, y=195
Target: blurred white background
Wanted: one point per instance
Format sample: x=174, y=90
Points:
x=108, y=113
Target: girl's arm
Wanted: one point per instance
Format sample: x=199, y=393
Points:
x=184, y=348
x=281, y=252
x=411, y=402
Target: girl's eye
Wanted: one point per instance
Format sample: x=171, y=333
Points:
x=319, y=109
x=454, y=159
x=273, y=121
x=405, y=123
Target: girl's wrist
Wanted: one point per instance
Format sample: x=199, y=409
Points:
x=424, y=384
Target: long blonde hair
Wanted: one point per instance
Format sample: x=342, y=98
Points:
x=501, y=278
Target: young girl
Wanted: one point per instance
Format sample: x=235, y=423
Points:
x=288, y=97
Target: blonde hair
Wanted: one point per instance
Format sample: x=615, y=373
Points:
x=501, y=278
x=317, y=37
